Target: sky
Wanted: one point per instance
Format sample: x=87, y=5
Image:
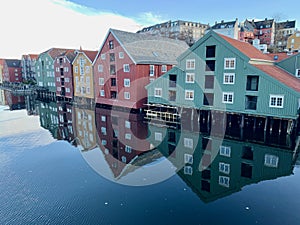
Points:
x=34, y=26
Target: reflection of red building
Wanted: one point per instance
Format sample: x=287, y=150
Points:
x=14, y=102
x=65, y=121
x=121, y=136
x=12, y=70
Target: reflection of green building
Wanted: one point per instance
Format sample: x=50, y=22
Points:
x=49, y=117
x=214, y=167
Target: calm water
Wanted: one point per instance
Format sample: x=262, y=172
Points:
x=61, y=164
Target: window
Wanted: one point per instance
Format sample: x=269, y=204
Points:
x=102, y=93
x=271, y=160
x=210, y=65
x=276, y=101
x=225, y=151
x=157, y=136
x=103, y=142
x=76, y=69
x=190, y=64
x=113, y=82
x=224, y=181
x=58, y=79
x=172, y=95
x=224, y=167
x=252, y=83
x=128, y=136
x=188, y=170
x=128, y=149
x=188, y=142
x=227, y=97
x=111, y=57
x=190, y=78
x=113, y=94
x=251, y=102
x=172, y=80
x=188, y=159
x=297, y=72
x=112, y=70
x=126, y=95
x=164, y=68
x=126, y=68
x=100, y=68
x=210, y=51
x=229, y=63
x=189, y=95
x=228, y=78
x=151, y=72
x=126, y=82
x=103, y=118
x=124, y=159
x=209, y=82
x=127, y=124
x=103, y=130
x=103, y=56
x=111, y=44
x=121, y=55
x=157, y=92
x=101, y=81
x=208, y=99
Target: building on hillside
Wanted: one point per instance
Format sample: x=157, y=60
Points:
x=12, y=71
x=262, y=47
x=28, y=67
x=63, y=70
x=127, y=62
x=226, y=81
x=246, y=32
x=264, y=30
x=293, y=42
x=14, y=102
x=229, y=29
x=283, y=30
x=45, y=75
x=291, y=64
x=83, y=77
x=182, y=30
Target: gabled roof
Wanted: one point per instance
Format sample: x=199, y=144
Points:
x=149, y=49
x=90, y=54
x=286, y=25
x=33, y=56
x=246, y=48
x=263, y=24
x=281, y=75
x=54, y=52
x=15, y=63
x=224, y=25
x=69, y=54
x=279, y=56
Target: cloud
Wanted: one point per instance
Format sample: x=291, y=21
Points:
x=34, y=26
x=148, y=18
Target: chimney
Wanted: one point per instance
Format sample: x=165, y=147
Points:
x=222, y=21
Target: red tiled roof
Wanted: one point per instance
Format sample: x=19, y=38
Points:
x=90, y=54
x=246, y=48
x=281, y=75
x=33, y=56
x=280, y=55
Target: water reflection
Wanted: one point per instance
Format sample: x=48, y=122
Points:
x=134, y=152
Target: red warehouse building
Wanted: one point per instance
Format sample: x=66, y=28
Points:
x=12, y=71
x=127, y=62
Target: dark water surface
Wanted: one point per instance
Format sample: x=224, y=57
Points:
x=44, y=180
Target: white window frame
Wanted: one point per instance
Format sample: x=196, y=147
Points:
x=158, y=136
x=227, y=78
x=121, y=55
x=126, y=95
x=188, y=158
x=127, y=124
x=128, y=136
x=101, y=81
x=103, y=118
x=225, y=151
x=227, y=94
x=188, y=142
x=229, y=60
x=100, y=68
x=190, y=78
x=188, y=93
x=151, y=70
x=188, y=170
x=190, y=64
x=103, y=56
x=224, y=181
x=102, y=93
x=271, y=160
x=128, y=149
x=224, y=167
x=126, y=82
x=126, y=68
x=76, y=69
x=277, y=97
x=157, y=92
x=297, y=73
x=164, y=68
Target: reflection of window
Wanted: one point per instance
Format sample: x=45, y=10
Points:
x=128, y=136
x=127, y=124
x=188, y=170
x=224, y=167
x=225, y=151
x=188, y=142
x=224, y=181
x=158, y=136
x=276, y=101
x=271, y=160
x=188, y=158
x=128, y=149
